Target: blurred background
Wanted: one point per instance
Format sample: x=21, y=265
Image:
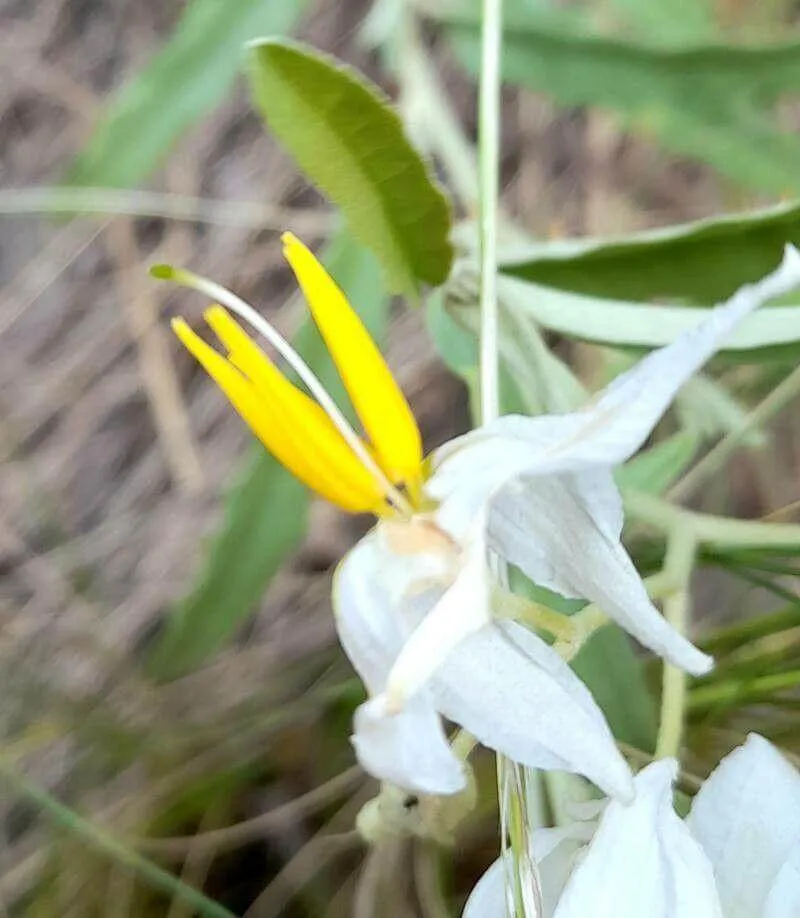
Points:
x=173, y=705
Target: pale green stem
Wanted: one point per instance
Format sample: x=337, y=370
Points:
x=443, y=132
x=104, y=843
x=719, y=455
x=489, y=165
x=735, y=636
x=115, y=201
x=712, y=530
x=513, y=807
x=681, y=553
x=738, y=692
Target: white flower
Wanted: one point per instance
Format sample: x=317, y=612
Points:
x=502, y=683
x=413, y=599
x=553, y=507
x=736, y=856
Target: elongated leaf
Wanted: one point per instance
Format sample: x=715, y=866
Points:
x=770, y=333
x=608, y=666
x=266, y=509
x=668, y=20
x=644, y=325
x=654, y=470
x=711, y=101
x=700, y=262
x=347, y=139
x=458, y=348
x=187, y=79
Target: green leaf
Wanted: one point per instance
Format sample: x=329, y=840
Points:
x=266, y=509
x=700, y=262
x=766, y=334
x=349, y=142
x=265, y=517
x=708, y=101
x=458, y=348
x=668, y=20
x=183, y=82
x=654, y=470
x=615, y=676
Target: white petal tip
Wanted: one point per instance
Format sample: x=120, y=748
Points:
x=791, y=257
x=701, y=664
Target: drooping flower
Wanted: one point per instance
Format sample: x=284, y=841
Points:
x=737, y=855
x=545, y=488
x=495, y=678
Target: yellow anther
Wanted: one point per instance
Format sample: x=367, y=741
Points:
x=381, y=406
x=289, y=424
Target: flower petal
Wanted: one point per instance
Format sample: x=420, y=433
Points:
x=783, y=900
x=747, y=818
x=516, y=695
x=409, y=749
x=617, y=422
x=289, y=424
x=461, y=610
x=554, y=852
x=377, y=398
x=570, y=544
x=488, y=898
x=642, y=861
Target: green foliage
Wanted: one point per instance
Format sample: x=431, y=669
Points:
x=711, y=101
x=347, y=139
x=107, y=845
x=668, y=20
x=266, y=509
x=768, y=333
x=653, y=471
x=190, y=76
x=615, y=676
x=700, y=262
x=265, y=517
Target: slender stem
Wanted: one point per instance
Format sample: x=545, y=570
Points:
x=101, y=841
x=716, y=457
x=521, y=879
x=738, y=692
x=755, y=662
x=713, y=530
x=733, y=636
x=681, y=553
x=428, y=101
x=489, y=165
x=115, y=201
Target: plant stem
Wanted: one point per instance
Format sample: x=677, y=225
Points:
x=109, y=846
x=713, y=530
x=521, y=877
x=489, y=166
x=427, y=99
x=719, y=455
x=741, y=633
x=738, y=692
x=137, y=203
x=681, y=553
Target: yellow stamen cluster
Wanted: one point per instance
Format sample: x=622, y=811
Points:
x=292, y=426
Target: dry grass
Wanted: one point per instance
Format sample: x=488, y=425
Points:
x=115, y=449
